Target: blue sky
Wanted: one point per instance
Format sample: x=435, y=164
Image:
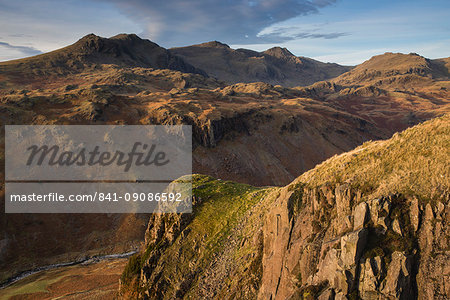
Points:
x=342, y=31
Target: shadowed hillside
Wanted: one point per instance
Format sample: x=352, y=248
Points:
x=275, y=66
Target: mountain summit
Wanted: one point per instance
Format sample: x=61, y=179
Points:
x=387, y=68
x=125, y=50
x=279, y=52
x=274, y=66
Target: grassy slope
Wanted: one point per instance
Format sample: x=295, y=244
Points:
x=415, y=161
x=221, y=220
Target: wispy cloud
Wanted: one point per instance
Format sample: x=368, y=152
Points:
x=339, y=31
x=22, y=50
x=180, y=22
x=49, y=24
x=284, y=34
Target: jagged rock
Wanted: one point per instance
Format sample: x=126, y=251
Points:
x=340, y=296
x=439, y=209
x=398, y=281
x=341, y=282
x=386, y=206
x=383, y=222
x=328, y=294
x=414, y=213
x=426, y=236
x=379, y=210
x=370, y=278
x=396, y=227
x=327, y=269
x=429, y=215
x=360, y=215
x=342, y=200
x=174, y=91
x=352, y=245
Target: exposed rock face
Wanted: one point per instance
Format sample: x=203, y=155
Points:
x=398, y=283
x=309, y=250
x=374, y=262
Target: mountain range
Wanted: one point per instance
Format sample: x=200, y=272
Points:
x=276, y=66
x=259, y=118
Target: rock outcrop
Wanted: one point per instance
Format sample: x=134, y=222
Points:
x=321, y=237
x=343, y=256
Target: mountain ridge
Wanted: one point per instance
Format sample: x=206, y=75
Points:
x=277, y=66
x=126, y=50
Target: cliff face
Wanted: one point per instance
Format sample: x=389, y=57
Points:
x=215, y=252
x=337, y=246
x=371, y=223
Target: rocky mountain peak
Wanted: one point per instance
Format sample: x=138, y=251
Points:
x=279, y=52
x=126, y=36
x=214, y=44
x=127, y=50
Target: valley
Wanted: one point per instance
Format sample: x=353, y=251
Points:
x=288, y=149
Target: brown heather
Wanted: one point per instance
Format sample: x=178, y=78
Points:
x=415, y=161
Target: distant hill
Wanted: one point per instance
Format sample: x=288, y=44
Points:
x=386, y=69
x=393, y=90
x=125, y=50
x=277, y=66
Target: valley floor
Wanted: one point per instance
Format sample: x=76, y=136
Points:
x=98, y=280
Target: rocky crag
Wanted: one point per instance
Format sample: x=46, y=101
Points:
x=371, y=223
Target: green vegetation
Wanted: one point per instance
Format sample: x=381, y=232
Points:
x=311, y=292
x=29, y=286
x=132, y=269
x=220, y=218
x=295, y=200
